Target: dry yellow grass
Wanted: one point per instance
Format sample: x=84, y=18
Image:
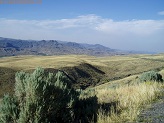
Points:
x=31, y=62
x=131, y=100
x=119, y=83
x=119, y=63
x=114, y=67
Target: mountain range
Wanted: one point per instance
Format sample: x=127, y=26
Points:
x=12, y=47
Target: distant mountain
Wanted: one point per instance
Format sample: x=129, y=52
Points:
x=12, y=47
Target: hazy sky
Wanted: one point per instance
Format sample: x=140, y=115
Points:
x=119, y=24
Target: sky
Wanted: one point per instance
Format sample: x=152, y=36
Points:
x=118, y=24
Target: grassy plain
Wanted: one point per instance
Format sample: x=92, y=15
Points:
x=114, y=79
x=85, y=70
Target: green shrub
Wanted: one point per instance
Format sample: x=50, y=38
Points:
x=150, y=76
x=39, y=97
x=9, y=109
x=43, y=97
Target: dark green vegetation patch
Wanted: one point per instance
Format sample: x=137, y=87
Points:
x=151, y=76
x=43, y=97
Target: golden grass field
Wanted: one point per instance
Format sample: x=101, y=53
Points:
x=123, y=63
x=114, y=79
x=100, y=69
x=130, y=101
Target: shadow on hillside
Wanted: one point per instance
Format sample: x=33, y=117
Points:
x=107, y=108
x=93, y=68
x=82, y=76
x=86, y=110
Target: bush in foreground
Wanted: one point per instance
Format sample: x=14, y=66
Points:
x=43, y=97
x=39, y=97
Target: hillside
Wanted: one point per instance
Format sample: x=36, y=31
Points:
x=85, y=71
x=12, y=47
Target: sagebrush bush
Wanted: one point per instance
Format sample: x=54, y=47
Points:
x=9, y=109
x=43, y=97
x=150, y=76
x=39, y=97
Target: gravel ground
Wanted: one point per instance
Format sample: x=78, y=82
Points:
x=153, y=114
